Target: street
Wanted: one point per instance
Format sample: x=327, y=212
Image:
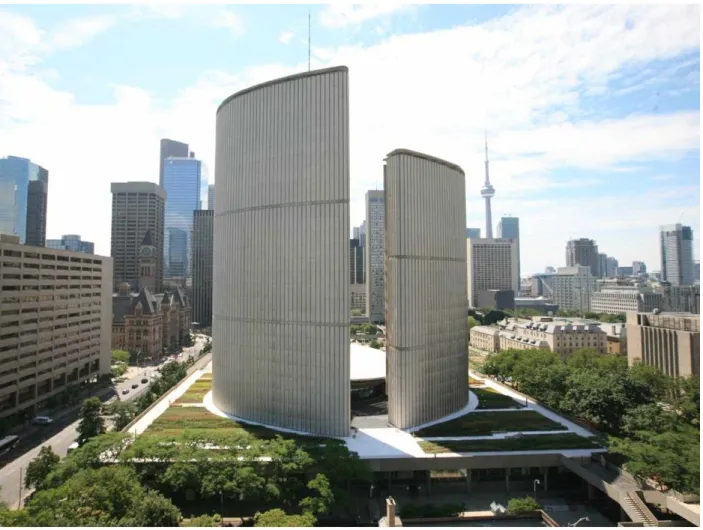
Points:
x=60, y=442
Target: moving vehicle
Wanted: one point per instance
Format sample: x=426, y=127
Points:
x=42, y=420
x=145, y=380
x=125, y=391
x=72, y=447
x=8, y=442
x=135, y=385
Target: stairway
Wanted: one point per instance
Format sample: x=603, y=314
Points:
x=638, y=511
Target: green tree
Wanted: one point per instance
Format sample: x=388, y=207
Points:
x=322, y=499
x=472, y=322
x=375, y=344
x=120, y=356
x=517, y=506
x=686, y=398
x=122, y=412
x=278, y=518
x=501, y=365
x=153, y=509
x=356, y=312
x=40, y=468
x=91, y=423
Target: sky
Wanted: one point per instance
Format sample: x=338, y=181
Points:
x=591, y=112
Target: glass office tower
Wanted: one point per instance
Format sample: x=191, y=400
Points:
x=182, y=178
x=24, y=189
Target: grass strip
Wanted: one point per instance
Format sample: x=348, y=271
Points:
x=487, y=423
x=535, y=442
x=489, y=398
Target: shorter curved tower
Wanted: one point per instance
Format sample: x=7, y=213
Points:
x=426, y=324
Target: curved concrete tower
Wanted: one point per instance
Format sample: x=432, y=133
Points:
x=426, y=324
x=281, y=254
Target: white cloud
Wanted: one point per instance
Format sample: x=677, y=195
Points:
x=341, y=15
x=227, y=18
x=286, y=37
x=520, y=77
x=79, y=31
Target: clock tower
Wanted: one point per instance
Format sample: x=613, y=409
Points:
x=147, y=263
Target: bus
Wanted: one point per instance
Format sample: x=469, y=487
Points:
x=8, y=442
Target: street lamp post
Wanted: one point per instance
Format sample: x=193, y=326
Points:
x=535, y=483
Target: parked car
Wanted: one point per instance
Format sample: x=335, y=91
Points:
x=42, y=420
x=135, y=385
x=144, y=380
x=125, y=391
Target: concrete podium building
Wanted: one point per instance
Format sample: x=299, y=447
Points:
x=426, y=324
x=281, y=254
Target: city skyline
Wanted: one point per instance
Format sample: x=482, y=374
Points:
x=554, y=161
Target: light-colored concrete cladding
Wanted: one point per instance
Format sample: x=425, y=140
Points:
x=281, y=254
x=427, y=328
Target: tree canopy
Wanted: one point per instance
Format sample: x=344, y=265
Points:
x=91, y=423
x=40, y=467
x=653, y=420
x=278, y=518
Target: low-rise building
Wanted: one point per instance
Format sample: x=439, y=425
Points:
x=540, y=304
x=616, y=335
x=151, y=323
x=669, y=341
x=55, y=316
x=616, y=300
x=484, y=338
x=560, y=337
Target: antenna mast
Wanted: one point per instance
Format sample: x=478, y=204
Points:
x=309, y=24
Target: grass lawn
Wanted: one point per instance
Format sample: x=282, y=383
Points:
x=176, y=421
x=489, y=398
x=536, y=442
x=487, y=423
x=196, y=393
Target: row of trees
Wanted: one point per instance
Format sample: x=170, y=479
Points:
x=651, y=419
x=145, y=480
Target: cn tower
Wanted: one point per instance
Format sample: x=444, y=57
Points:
x=488, y=192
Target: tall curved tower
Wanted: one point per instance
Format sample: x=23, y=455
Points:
x=281, y=254
x=426, y=325
x=488, y=192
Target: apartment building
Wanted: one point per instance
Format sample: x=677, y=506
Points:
x=55, y=315
x=573, y=287
x=491, y=264
x=669, y=341
x=583, y=252
x=616, y=300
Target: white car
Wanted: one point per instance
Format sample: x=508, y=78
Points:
x=42, y=420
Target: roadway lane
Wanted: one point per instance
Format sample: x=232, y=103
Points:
x=10, y=474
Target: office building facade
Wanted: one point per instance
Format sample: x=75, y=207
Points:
x=24, y=191
x=281, y=254
x=71, y=242
x=356, y=261
x=425, y=288
x=182, y=186
x=680, y=298
x=490, y=264
x=170, y=148
x=211, y=197
x=54, y=323
x=137, y=207
x=473, y=233
x=509, y=228
x=573, y=287
x=668, y=341
x=617, y=300
x=583, y=252
x=203, y=233
x=677, y=254
x=374, y=255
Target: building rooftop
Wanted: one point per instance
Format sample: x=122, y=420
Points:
x=366, y=363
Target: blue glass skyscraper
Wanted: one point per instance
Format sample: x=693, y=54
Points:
x=23, y=198
x=182, y=182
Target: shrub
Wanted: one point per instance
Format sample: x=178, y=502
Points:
x=526, y=504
